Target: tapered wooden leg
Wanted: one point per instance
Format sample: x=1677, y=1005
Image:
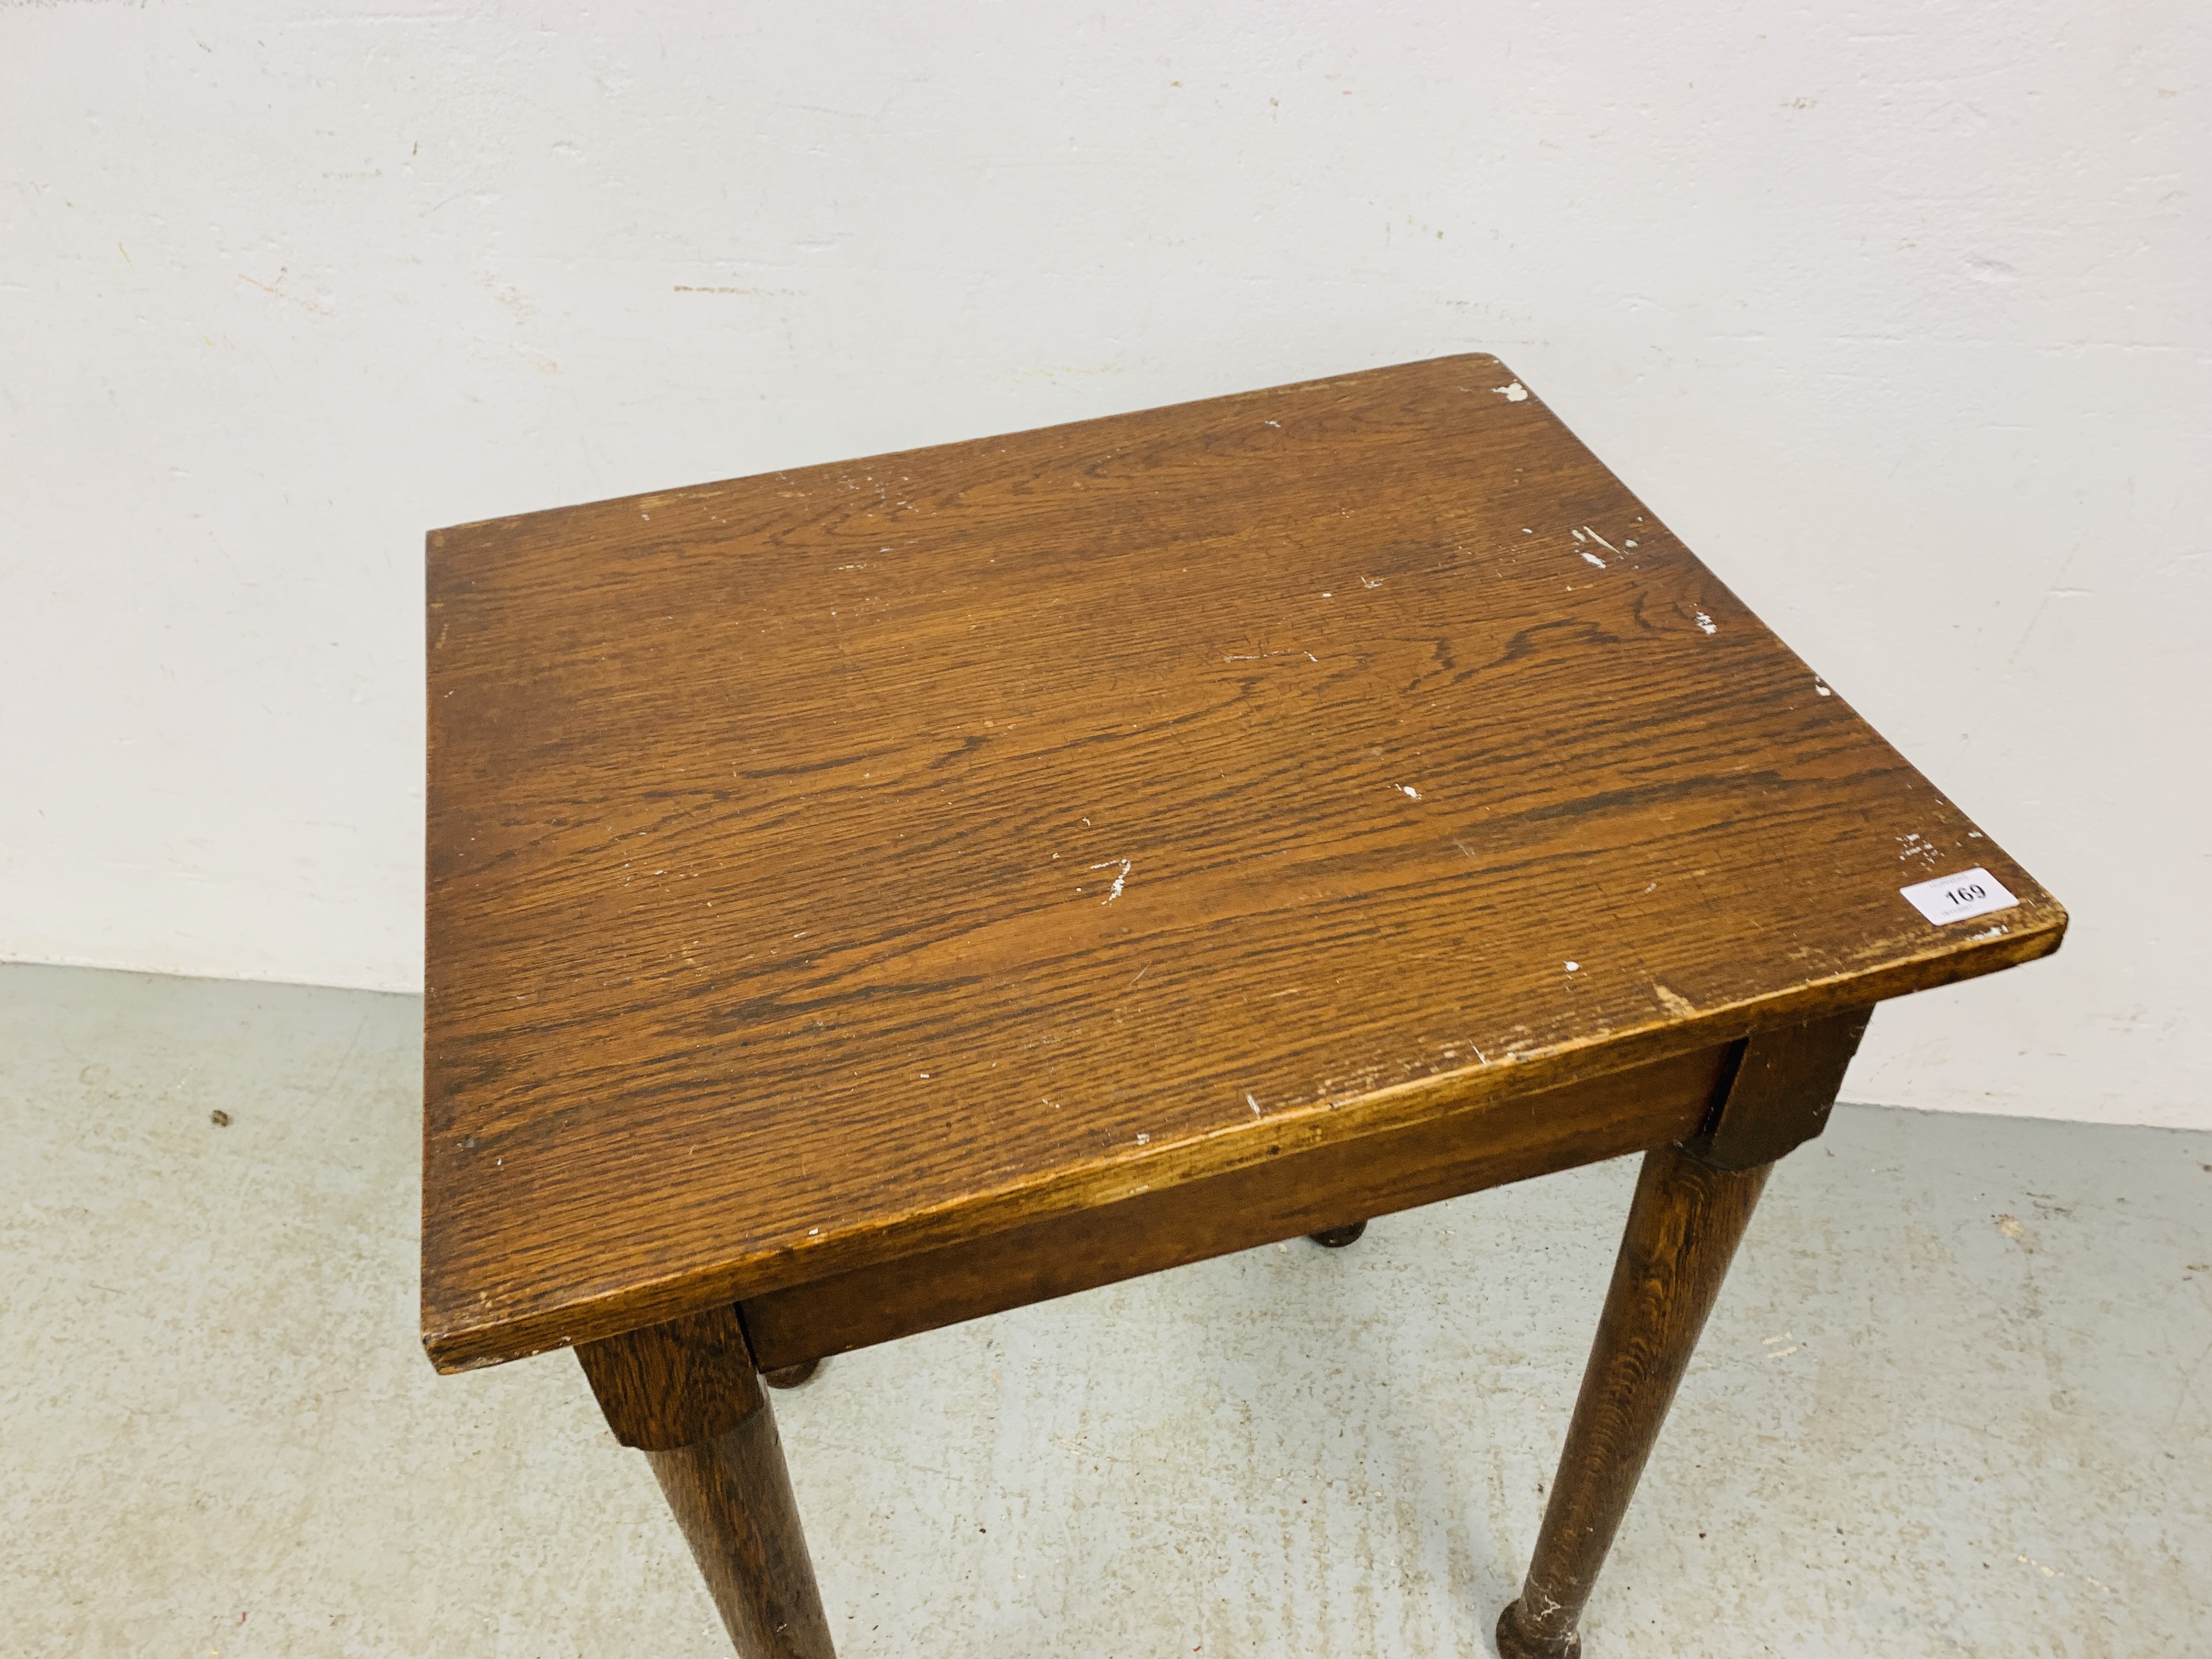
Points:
x=687, y=1394
x=1682, y=1229
x=733, y=1500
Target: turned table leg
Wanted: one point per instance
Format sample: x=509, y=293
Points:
x=688, y=1395
x=1682, y=1228
x=1692, y=1203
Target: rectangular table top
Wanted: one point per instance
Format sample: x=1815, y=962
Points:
x=832, y=864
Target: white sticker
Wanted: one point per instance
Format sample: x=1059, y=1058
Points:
x=1970, y=893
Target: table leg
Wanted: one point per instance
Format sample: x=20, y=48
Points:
x=687, y=1394
x=733, y=1500
x=1682, y=1229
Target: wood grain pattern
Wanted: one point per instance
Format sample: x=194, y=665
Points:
x=1683, y=1227
x=1298, y=1190
x=674, y=1384
x=837, y=865
x=731, y=1496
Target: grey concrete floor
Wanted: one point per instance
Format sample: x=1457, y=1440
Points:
x=1955, y=1399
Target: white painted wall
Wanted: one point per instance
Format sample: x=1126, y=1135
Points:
x=1898, y=311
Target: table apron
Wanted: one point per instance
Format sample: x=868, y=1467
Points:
x=1299, y=1192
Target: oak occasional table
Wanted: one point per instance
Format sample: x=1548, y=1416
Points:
x=875, y=895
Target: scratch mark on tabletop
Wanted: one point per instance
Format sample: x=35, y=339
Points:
x=1114, y=891
x=1252, y=1104
x=1912, y=846
x=1705, y=624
